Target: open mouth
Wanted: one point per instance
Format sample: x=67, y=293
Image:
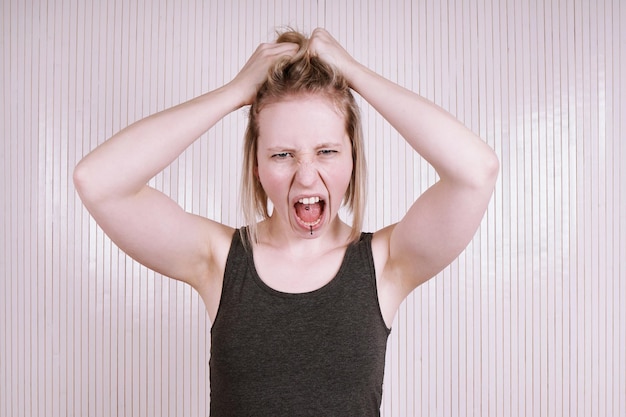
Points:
x=310, y=210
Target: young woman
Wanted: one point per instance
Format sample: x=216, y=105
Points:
x=301, y=302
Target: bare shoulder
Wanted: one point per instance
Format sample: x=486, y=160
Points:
x=388, y=262
x=208, y=281
x=380, y=247
x=218, y=239
x=156, y=232
x=389, y=273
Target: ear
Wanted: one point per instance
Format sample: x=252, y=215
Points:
x=256, y=171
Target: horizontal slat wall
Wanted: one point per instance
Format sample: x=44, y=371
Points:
x=530, y=320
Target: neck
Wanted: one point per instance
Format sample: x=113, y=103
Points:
x=275, y=234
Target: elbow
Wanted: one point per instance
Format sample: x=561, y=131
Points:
x=85, y=183
x=80, y=178
x=485, y=172
x=491, y=166
x=98, y=185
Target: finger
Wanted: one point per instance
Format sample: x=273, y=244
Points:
x=288, y=48
x=273, y=49
x=319, y=32
x=283, y=47
x=320, y=41
x=280, y=51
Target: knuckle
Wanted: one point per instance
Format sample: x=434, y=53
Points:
x=264, y=48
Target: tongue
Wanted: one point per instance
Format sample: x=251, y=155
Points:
x=309, y=213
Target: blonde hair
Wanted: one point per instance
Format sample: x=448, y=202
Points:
x=303, y=74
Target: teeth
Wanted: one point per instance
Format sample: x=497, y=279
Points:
x=315, y=223
x=309, y=200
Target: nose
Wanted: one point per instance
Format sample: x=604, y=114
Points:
x=306, y=173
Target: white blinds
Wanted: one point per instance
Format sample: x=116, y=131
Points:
x=530, y=320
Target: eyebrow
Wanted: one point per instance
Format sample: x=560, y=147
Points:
x=320, y=146
x=330, y=145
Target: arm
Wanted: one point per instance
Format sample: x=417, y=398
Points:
x=443, y=220
x=143, y=222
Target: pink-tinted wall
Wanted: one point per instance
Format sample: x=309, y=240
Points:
x=529, y=321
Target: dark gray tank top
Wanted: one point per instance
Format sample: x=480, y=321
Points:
x=320, y=353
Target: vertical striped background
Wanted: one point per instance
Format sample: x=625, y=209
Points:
x=529, y=321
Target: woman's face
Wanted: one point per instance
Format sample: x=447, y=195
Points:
x=304, y=160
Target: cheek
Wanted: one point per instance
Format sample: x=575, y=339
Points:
x=346, y=170
x=272, y=180
x=339, y=177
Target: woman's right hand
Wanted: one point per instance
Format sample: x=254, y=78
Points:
x=254, y=72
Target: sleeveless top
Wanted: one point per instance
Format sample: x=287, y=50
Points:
x=320, y=353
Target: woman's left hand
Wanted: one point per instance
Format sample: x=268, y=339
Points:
x=323, y=45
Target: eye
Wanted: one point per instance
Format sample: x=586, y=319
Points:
x=327, y=152
x=282, y=155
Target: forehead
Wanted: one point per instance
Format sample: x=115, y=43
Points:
x=302, y=118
